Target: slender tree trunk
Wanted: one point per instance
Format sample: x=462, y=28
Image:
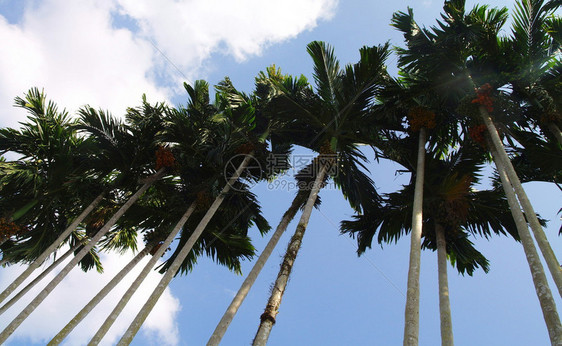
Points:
x=444, y=304
x=530, y=214
x=237, y=301
x=555, y=131
x=412, y=313
x=101, y=294
x=546, y=300
x=39, y=260
x=272, y=308
x=62, y=274
x=174, y=267
x=140, y=278
x=39, y=278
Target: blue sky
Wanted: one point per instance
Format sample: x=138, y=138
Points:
x=108, y=53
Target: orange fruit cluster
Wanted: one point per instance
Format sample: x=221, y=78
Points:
x=246, y=148
x=155, y=248
x=550, y=117
x=419, y=117
x=477, y=133
x=483, y=97
x=326, y=148
x=164, y=158
x=203, y=199
x=9, y=228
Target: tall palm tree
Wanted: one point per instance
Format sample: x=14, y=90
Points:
x=298, y=203
x=264, y=92
x=542, y=289
x=452, y=211
x=488, y=53
x=143, y=129
x=156, y=247
x=332, y=116
x=464, y=50
x=46, y=181
x=432, y=120
x=232, y=132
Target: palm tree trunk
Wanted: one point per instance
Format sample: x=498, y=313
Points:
x=39, y=278
x=502, y=158
x=444, y=304
x=140, y=278
x=174, y=267
x=237, y=301
x=62, y=274
x=272, y=308
x=101, y=294
x=412, y=313
x=555, y=131
x=544, y=294
x=39, y=260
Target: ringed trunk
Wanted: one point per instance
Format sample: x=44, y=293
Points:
x=272, y=308
x=5, y=334
x=444, y=304
x=96, y=339
x=412, y=311
x=99, y=297
x=546, y=300
x=237, y=301
x=38, y=278
x=502, y=158
x=555, y=131
x=39, y=260
x=134, y=327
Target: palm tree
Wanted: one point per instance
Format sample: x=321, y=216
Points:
x=143, y=130
x=544, y=294
x=298, y=203
x=530, y=19
x=332, y=117
x=43, y=184
x=155, y=247
x=487, y=62
x=265, y=90
x=452, y=211
x=461, y=51
x=232, y=131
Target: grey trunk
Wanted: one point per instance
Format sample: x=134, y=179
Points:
x=99, y=297
x=140, y=278
x=412, y=311
x=555, y=131
x=38, y=278
x=444, y=304
x=272, y=308
x=544, y=294
x=538, y=232
x=231, y=311
x=39, y=260
x=174, y=267
x=62, y=274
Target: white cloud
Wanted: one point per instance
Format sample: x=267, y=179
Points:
x=191, y=30
x=74, y=51
x=76, y=290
